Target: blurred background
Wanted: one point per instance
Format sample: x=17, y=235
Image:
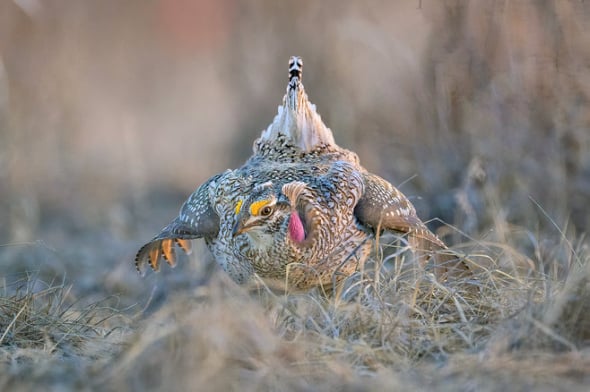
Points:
x=112, y=113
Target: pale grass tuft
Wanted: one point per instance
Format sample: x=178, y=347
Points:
x=44, y=332
x=390, y=321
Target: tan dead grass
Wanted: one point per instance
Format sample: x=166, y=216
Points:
x=507, y=325
x=394, y=326
x=406, y=330
x=44, y=332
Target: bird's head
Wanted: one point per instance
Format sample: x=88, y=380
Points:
x=264, y=212
x=261, y=212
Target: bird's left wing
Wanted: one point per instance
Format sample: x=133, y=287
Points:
x=383, y=207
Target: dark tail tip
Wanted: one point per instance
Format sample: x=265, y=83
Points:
x=295, y=68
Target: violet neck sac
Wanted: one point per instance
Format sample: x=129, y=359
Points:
x=296, y=229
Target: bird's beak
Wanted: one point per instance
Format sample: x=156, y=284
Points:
x=239, y=228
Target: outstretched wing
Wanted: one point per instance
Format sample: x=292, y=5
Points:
x=197, y=219
x=383, y=207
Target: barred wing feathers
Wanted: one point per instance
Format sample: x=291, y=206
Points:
x=197, y=219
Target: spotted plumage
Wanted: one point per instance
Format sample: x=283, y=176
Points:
x=300, y=212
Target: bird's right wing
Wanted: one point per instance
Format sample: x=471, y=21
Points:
x=197, y=219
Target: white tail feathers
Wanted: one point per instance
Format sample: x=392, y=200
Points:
x=297, y=118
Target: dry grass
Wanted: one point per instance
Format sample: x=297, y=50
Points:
x=396, y=327
x=111, y=113
x=46, y=334
x=392, y=325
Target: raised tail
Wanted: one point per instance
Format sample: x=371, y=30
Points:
x=297, y=118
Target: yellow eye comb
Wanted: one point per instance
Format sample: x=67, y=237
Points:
x=239, y=206
x=257, y=205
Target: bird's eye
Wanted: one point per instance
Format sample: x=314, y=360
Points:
x=266, y=211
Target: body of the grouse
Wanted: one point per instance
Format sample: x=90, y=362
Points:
x=301, y=212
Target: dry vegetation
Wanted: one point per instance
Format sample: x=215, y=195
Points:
x=111, y=114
